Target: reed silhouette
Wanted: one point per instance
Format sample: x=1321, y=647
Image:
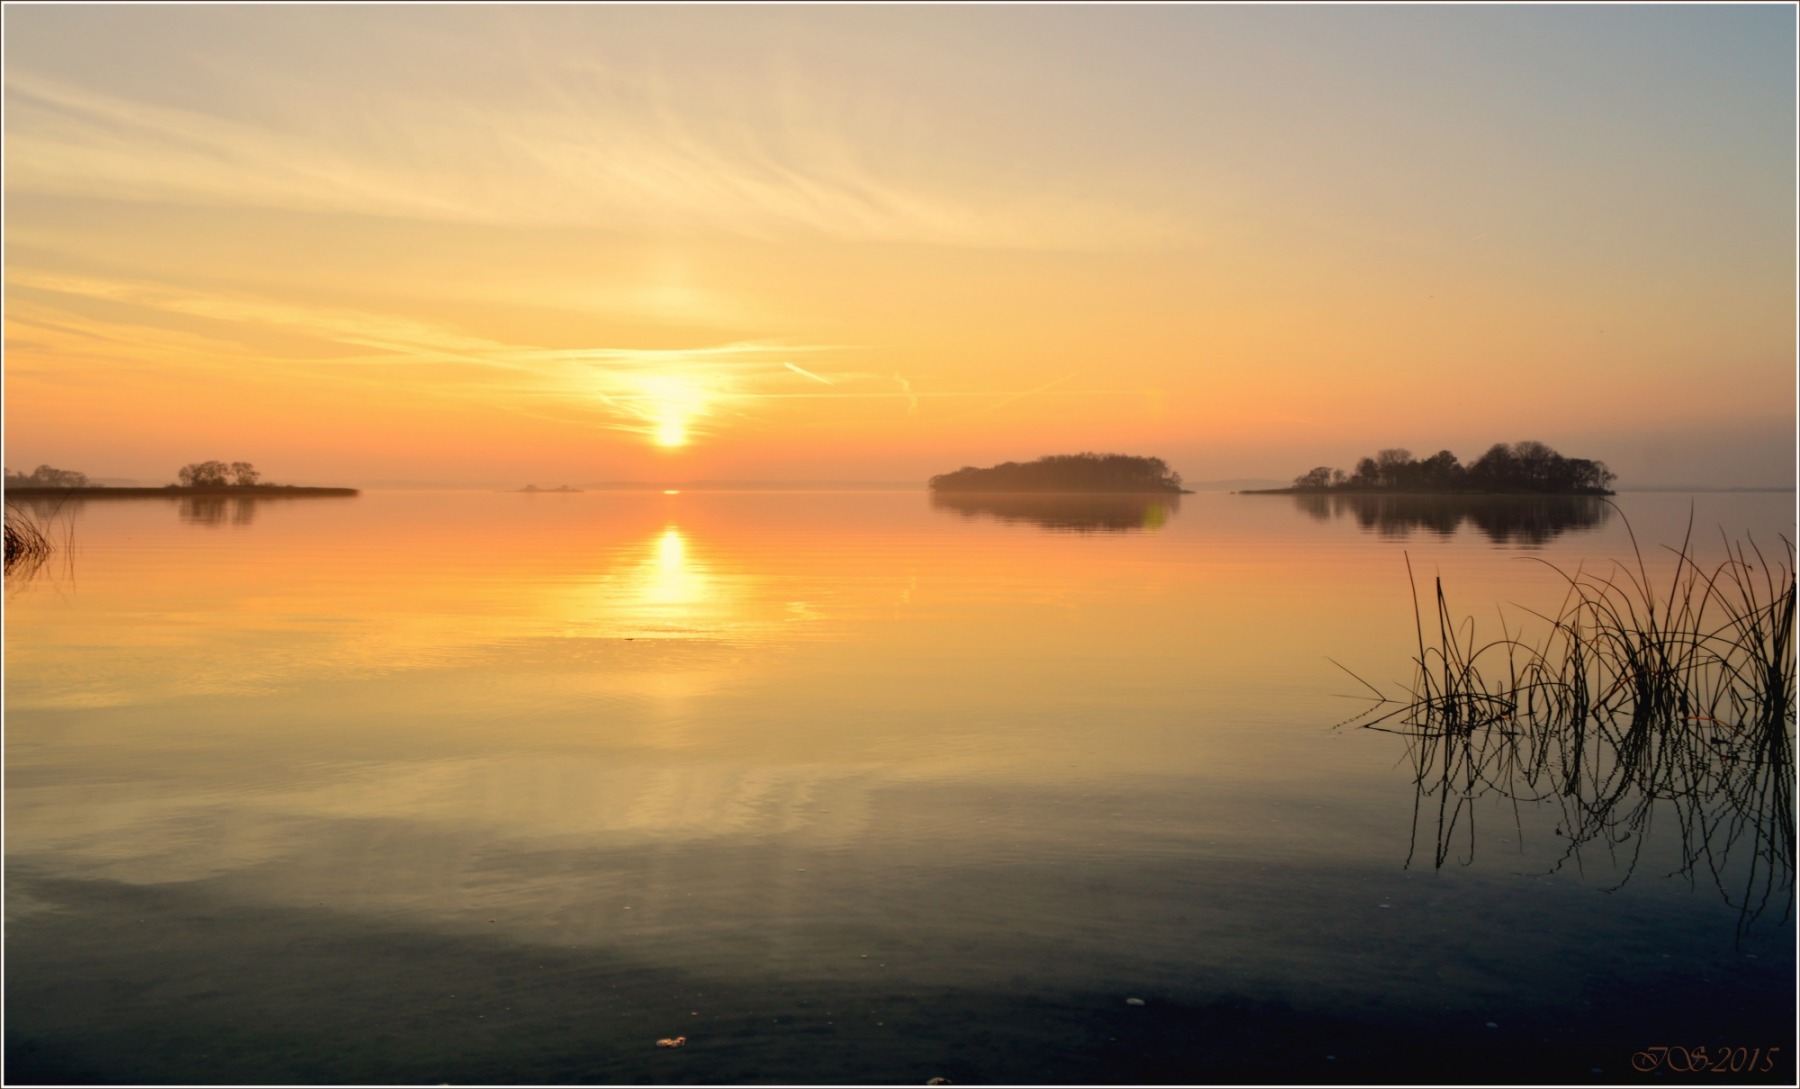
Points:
x=1639, y=705
x=32, y=535
x=26, y=545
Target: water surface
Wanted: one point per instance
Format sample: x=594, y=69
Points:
x=841, y=786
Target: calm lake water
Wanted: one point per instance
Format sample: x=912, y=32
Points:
x=840, y=786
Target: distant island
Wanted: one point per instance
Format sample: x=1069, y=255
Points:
x=1522, y=468
x=558, y=488
x=242, y=491
x=238, y=478
x=1117, y=473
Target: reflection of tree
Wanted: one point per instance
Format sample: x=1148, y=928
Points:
x=44, y=507
x=213, y=510
x=1635, y=710
x=1065, y=512
x=1505, y=519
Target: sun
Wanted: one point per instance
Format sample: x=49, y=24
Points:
x=670, y=404
x=671, y=432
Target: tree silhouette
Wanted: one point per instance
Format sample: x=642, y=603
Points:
x=48, y=476
x=1065, y=473
x=204, y=474
x=1528, y=466
x=217, y=474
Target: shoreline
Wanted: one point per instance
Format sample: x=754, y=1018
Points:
x=1430, y=493
x=1057, y=491
x=176, y=491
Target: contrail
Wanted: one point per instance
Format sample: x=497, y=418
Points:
x=806, y=373
x=1029, y=392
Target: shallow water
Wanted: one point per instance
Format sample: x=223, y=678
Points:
x=842, y=786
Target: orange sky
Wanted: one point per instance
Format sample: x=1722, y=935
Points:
x=575, y=244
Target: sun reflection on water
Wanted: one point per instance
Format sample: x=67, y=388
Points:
x=671, y=582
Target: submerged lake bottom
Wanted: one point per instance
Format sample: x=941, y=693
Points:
x=840, y=789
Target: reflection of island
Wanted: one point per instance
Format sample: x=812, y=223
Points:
x=213, y=510
x=1067, y=513
x=1114, y=474
x=196, y=506
x=1520, y=467
x=1506, y=519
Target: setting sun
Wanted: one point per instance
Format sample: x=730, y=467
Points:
x=670, y=404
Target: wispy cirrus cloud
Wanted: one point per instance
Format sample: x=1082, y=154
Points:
x=578, y=149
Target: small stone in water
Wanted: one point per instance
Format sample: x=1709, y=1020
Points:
x=671, y=1041
x=1491, y=1024
x=1134, y=1002
x=938, y=1081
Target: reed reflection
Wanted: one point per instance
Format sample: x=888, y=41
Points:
x=1724, y=794
x=1637, y=703
x=29, y=537
x=1065, y=513
x=1526, y=520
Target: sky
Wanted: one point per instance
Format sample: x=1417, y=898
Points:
x=566, y=244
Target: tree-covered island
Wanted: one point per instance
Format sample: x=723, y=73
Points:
x=1065, y=473
x=1519, y=468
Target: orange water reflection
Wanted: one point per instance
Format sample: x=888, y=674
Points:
x=470, y=677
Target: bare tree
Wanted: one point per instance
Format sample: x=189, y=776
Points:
x=204, y=474
x=48, y=476
x=1391, y=465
